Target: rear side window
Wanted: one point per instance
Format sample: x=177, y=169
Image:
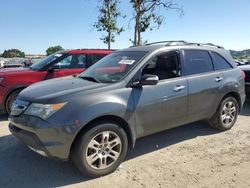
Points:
x=219, y=62
x=198, y=61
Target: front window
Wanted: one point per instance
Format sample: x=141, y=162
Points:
x=76, y=61
x=61, y=61
x=114, y=67
x=165, y=66
x=46, y=61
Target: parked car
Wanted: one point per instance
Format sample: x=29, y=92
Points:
x=12, y=62
x=14, y=80
x=245, y=67
x=93, y=118
x=240, y=62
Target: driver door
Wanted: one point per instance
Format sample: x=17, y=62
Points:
x=73, y=64
x=164, y=105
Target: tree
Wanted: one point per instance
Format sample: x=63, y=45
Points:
x=53, y=49
x=146, y=15
x=13, y=53
x=107, y=21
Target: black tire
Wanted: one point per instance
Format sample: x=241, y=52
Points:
x=82, y=149
x=220, y=119
x=11, y=98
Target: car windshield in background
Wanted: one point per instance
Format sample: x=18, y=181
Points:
x=45, y=61
x=114, y=67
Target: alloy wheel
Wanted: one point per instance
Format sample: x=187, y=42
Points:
x=228, y=113
x=103, y=150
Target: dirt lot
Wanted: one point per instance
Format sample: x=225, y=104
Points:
x=193, y=155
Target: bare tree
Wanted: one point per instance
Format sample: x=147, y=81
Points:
x=146, y=15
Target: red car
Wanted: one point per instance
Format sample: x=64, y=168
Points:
x=13, y=80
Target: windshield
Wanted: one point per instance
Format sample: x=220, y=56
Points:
x=45, y=61
x=114, y=67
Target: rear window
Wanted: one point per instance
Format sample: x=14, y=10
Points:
x=198, y=61
x=219, y=62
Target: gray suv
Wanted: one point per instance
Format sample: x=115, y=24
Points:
x=94, y=117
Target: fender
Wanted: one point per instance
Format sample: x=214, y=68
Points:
x=108, y=106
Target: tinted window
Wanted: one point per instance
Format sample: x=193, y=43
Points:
x=198, y=61
x=97, y=57
x=165, y=66
x=72, y=62
x=219, y=62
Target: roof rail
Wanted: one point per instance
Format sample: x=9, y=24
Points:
x=205, y=44
x=182, y=42
x=175, y=42
x=168, y=43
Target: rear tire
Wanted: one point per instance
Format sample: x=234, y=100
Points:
x=226, y=114
x=11, y=98
x=100, y=150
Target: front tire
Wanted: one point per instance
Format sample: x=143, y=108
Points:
x=100, y=150
x=226, y=114
x=11, y=98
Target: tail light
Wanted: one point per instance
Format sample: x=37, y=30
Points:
x=243, y=75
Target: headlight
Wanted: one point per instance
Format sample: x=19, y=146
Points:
x=43, y=111
x=1, y=79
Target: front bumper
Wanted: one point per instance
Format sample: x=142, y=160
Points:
x=42, y=137
x=29, y=138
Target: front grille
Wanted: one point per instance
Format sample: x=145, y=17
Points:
x=18, y=107
x=247, y=79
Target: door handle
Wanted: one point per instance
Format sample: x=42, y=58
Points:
x=178, y=88
x=218, y=79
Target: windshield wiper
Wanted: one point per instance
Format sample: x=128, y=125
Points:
x=89, y=78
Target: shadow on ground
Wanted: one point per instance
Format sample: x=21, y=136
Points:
x=3, y=117
x=20, y=167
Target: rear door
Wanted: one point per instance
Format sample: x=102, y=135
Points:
x=204, y=84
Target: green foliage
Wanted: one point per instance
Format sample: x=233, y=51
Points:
x=13, y=53
x=53, y=49
x=147, y=17
x=107, y=21
x=243, y=54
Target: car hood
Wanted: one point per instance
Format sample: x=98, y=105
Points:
x=8, y=71
x=46, y=91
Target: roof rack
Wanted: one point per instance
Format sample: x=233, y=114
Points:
x=169, y=43
x=205, y=44
x=182, y=42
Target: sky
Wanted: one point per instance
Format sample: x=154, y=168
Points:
x=34, y=25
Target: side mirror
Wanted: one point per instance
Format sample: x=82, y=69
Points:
x=146, y=79
x=149, y=79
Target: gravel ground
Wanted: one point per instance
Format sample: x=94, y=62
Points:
x=193, y=155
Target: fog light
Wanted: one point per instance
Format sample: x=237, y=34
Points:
x=38, y=151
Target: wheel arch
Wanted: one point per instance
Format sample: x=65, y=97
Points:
x=113, y=118
x=236, y=96
x=10, y=92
